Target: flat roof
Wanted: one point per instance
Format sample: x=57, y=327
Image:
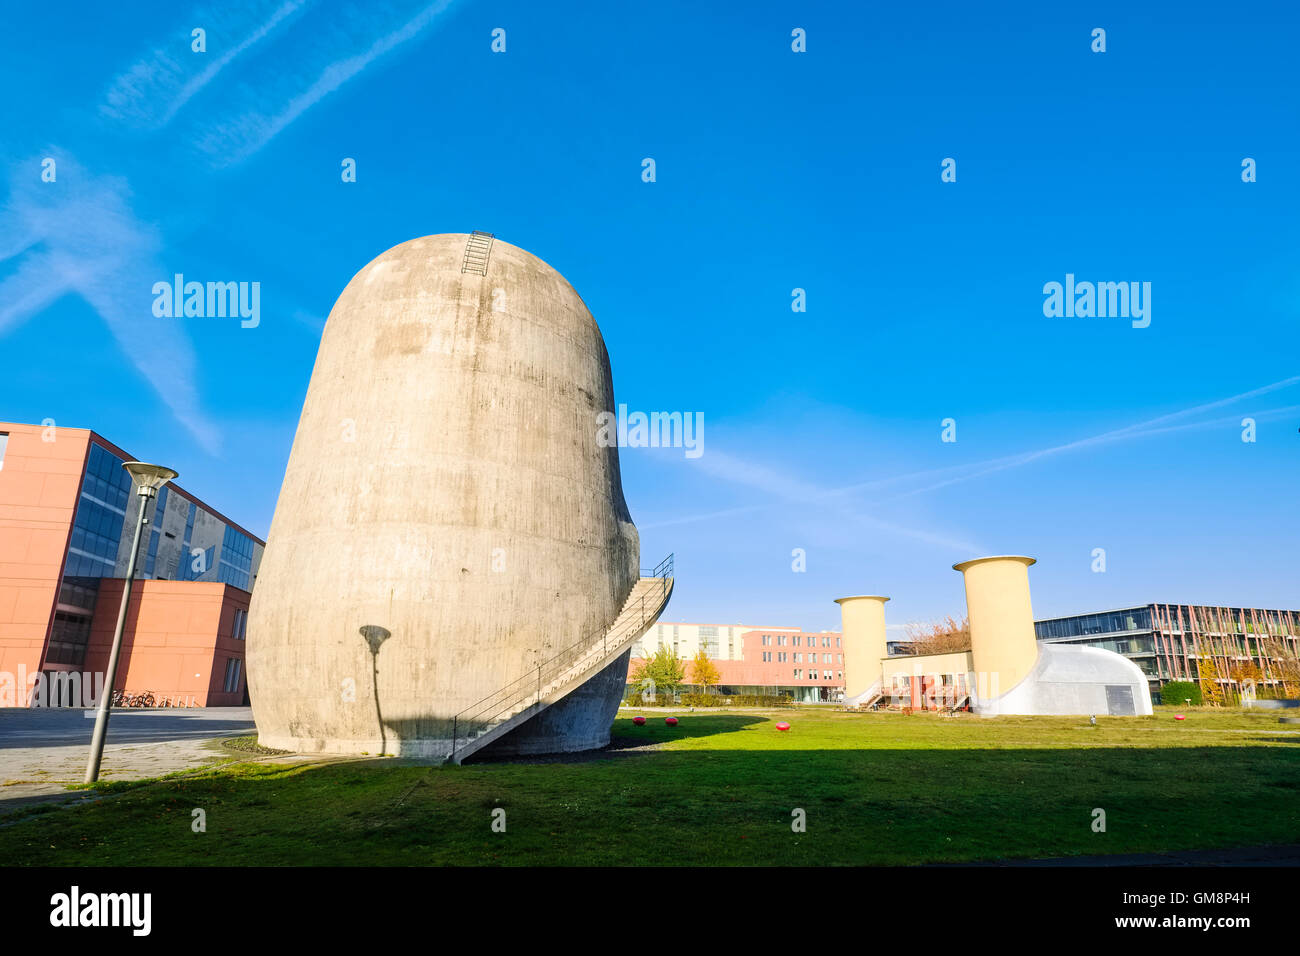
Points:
x=121, y=452
x=172, y=486
x=748, y=627
x=1143, y=607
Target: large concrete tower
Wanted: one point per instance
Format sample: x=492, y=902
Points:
x=448, y=519
x=1002, y=641
x=862, y=621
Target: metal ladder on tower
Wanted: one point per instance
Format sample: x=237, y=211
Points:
x=477, y=251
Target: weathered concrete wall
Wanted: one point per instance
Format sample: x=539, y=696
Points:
x=171, y=522
x=446, y=490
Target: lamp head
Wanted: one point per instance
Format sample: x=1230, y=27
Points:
x=148, y=478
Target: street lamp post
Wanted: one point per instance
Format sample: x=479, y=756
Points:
x=147, y=479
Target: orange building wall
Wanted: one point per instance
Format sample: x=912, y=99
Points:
x=40, y=482
x=176, y=642
x=753, y=670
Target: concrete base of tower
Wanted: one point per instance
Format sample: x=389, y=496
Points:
x=581, y=721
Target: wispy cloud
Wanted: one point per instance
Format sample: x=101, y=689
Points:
x=1142, y=429
x=320, y=54
x=81, y=236
x=193, y=86
x=85, y=239
x=153, y=90
x=230, y=141
x=788, y=489
x=796, y=491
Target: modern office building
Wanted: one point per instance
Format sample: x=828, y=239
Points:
x=805, y=665
x=1192, y=642
x=67, y=516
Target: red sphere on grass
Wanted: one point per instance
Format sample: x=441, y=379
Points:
x=670, y=721
x=1179, y=717
x=783, y=726
x=638, y=721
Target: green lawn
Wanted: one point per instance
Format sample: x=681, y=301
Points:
x=876, y=788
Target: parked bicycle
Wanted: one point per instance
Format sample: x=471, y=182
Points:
x=123, y=699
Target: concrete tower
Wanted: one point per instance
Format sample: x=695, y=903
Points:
x=1015, y=674
x=448, y=520
x=862, y=620
x=1002, y=641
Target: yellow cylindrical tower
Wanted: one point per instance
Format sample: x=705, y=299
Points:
x=862, y=620
x=1003, y=646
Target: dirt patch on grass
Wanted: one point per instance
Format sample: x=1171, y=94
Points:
x=249, y=745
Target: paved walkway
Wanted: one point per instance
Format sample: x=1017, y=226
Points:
x=42, y=749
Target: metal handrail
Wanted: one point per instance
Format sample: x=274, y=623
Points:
x=530, y=685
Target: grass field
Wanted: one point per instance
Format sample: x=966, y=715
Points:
x=719, y=789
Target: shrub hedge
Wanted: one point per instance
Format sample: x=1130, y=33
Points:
x=1179, y=692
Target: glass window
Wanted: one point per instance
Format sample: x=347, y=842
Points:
x=4, y=442
x=233, y=667
x=152, y=556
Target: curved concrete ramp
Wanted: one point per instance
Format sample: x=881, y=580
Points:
x=642, y=608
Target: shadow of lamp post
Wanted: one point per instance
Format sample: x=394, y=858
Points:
x=147, y=479
x=375, y=637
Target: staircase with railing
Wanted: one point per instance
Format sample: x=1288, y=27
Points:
x=866, y=699
x=497, y=714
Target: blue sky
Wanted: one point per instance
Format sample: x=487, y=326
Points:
x=775, y=170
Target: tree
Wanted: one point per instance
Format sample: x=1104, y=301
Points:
x=664, y=670
x=704, y=672
x=1283, y=666
x=1212, y=691
x=942, y=637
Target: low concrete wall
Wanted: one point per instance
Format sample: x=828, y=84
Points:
x=1282, y=704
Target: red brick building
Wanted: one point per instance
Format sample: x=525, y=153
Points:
x=67, y=514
